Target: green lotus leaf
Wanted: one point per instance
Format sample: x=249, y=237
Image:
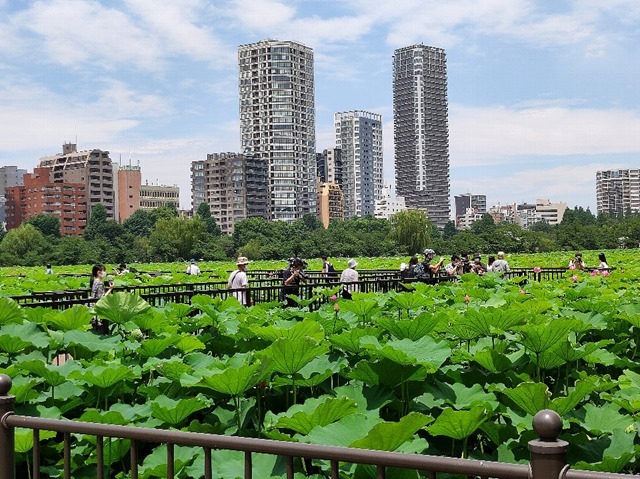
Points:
x=231, y=464
x=15, y=337
x=389, y=436
x=152, y=321
x=235, y=380
x=530, y=397
x=92, y=342
x=540, y=337
x=387, y=372
x=305, y=328
x=410, y=301
x=103, y=375
x=291, y=355
x=174, y=412
x=460, y=396
x=189, y=343
x=567, y=404
x=492, y=360
x=413, y=329
x=363, y=308
x=50, y=374
x=316, y=412
x=603, y=419
x=345, y=431
x=120, y=308
x=179, y=310
x=77, y=317
x=458, y=424
x=349, y=341
x=155, y=464
x=23, y=388
x=491, y=321
x=173, y=369
x=103, y=417
x=616, y=456
x=426, y=351
x=10, y=312
x=150, y=348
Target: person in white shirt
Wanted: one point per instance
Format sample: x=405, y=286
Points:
x=603, y=261
x=193, y=268
x=239, y=282
x=349, y=279
x=500, y=265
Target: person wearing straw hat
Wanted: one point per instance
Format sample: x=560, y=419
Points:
x=239, y=283
x=349, y=279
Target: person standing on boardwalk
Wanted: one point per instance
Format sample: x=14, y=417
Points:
x=239, y=282
x=349, y=279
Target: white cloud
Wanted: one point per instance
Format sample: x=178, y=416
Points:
x=494, y=135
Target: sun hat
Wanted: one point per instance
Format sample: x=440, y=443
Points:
x=429, y=251
x=352, y=263
x=242, y=260
x=193, y=260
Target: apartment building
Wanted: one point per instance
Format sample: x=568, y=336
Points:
x=618, y=191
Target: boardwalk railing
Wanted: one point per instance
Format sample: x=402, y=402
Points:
x=548, y=454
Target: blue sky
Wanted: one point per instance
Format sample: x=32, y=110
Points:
x=542, y=94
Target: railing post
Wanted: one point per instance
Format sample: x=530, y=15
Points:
x=548, y=453
x=7, y=434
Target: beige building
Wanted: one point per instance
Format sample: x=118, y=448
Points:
x=330, y=203
x=549, y=212
x=93, y=168
x=155, y=196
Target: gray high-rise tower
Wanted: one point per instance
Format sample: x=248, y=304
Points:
x=421, y=131
x=277, y=122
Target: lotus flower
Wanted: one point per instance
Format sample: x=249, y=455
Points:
x=605, y=273
x=467, y=298
x=336, y=307
x=537, y=269
x=594, y=272
x=574, y=278
x=334, y=298
x=522, y=291
x=572, y=267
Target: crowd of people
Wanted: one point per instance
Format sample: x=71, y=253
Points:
x=458, y=265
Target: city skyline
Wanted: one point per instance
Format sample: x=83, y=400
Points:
x=542, y=94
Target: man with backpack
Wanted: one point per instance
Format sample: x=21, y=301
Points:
x=426, y=270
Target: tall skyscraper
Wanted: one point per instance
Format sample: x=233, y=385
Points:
x=618, y=191
x=277, y=122
x=359, y=137
x=421, y=131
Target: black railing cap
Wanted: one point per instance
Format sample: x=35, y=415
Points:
x=547, y=424
x=5, y=384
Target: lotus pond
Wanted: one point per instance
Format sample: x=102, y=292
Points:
x=454, y=369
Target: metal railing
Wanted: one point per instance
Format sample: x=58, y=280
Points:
x=548, y=454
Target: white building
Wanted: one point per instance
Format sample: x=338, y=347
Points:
x=359, y=138
x=618, y=191
x=387, y=206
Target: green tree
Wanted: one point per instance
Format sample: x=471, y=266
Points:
x=204, y=212
x=24, y=245
x=139, y=224
x=101, y=227
x=48, y=225
x=164, y=212
x=409, y=230
x=177, y=238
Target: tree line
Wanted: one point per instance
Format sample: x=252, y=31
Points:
x=162, y=235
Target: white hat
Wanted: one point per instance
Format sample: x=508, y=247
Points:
x=352, y=263
x=242, y=260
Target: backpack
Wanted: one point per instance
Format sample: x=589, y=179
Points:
x=331, y=271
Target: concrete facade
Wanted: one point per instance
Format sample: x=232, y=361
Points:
x=128, y=197
x=277, y=122
x=618, y=191
x=421, y=132
x=9, y=176
x=330, y=203
x=359, y=137
x=156, y=196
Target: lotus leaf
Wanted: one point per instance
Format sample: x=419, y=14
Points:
x=236, y=379
x=155, y=464
x=344, y=432
x=17, y=337
x=426, y=351
x=305, y=328
x=530, y=397
x=150, y=348
x=615, y=457
x=316, y=412
x=349, y=341
x=458, y=424
x=10, y=312
x=492, y=360
x=104, y=375
x=174, y=412
x=92, y=342
x=189, y=343
x=50, y=374
x=291, y=355
x=603, y=419
x=540, y=337
x=76, y=318
x=120, y=308
x=389, y=436
x=460, y=396
x=412, y=329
